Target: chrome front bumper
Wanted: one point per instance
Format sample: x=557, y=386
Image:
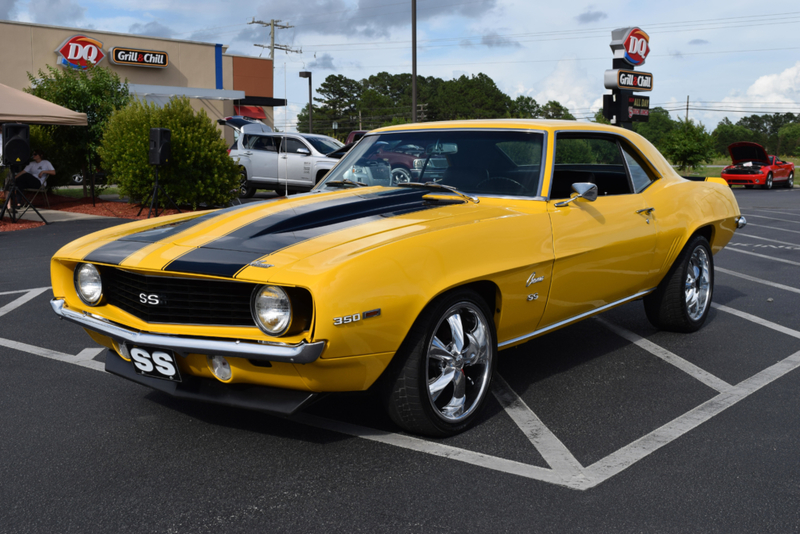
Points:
x=272, y=352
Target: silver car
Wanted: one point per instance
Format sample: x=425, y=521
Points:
x=285, y=162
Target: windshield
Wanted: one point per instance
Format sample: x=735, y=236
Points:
x=324, y=144
x=480, y=162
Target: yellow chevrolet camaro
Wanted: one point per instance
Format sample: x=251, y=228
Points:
x=427, y=249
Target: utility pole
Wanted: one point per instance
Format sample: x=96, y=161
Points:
x=273, y=24
x=687, y=109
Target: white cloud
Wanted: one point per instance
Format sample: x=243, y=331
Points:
x=571, y=85
x=58, y=12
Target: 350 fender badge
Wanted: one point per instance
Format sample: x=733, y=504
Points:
x=533, y=279
x=354, y=318
x=259, y=263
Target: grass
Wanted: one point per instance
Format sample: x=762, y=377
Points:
x=77, y=192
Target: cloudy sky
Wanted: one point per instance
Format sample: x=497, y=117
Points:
x=735, y=56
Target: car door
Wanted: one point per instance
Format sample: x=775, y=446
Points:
x=295, y=164
x=263, y=155
x=603, y=250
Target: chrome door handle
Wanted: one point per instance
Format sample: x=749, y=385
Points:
x=646, y=211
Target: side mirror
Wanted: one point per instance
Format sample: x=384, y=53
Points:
x=584, y=190
x=303, y=151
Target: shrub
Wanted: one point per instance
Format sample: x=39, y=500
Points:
x=199, y=169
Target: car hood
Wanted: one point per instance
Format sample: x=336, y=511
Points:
x=745, y=151
x=277, y=233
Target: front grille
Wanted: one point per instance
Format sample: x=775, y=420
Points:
x=181, y=300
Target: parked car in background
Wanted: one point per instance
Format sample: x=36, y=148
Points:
x=531, y=226
x=354, y=136
x=752, y=166
x=285, y=162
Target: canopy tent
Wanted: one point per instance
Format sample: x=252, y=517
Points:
x=18, y=106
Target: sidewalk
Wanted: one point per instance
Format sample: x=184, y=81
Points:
x=57, y=216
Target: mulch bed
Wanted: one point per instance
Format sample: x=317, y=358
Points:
x=121, y=210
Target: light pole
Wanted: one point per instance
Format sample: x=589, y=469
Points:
x=413, y=60
x=307, y=74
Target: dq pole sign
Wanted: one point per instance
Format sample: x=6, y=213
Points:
x=631, y=46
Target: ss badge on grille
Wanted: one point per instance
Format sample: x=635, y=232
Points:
x=152, y=299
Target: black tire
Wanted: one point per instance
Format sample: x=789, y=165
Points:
x=689, y=281
x=245, y=189
x=76, y=179
x=429, y=369
x=790, y=181
x=768, y=183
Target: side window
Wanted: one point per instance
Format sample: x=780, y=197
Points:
x=641, y=176
x=588, y=158
x=292, y=145
x=264, y=143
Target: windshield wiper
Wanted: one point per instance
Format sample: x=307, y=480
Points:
x=439, y=187
x=346, y=182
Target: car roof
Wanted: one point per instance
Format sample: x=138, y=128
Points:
x=526, y=124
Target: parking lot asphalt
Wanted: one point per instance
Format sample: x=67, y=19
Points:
x=604, y=426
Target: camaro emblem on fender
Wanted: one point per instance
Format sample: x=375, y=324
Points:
x=259, y=263
x=532, y=279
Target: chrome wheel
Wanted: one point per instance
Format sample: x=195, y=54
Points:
x=768, y=183
x=459, y=362
x=400, y=175
x=698, y=283
x=790, y=181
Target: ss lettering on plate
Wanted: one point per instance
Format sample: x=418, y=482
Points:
x=160, y=362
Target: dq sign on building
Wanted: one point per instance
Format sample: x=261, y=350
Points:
x=78, y=51
x=630, y=44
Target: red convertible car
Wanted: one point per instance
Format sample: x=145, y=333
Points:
x=752, y=166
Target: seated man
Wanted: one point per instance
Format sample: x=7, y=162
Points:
x=33, y=176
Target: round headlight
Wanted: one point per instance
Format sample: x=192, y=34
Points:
x=88, y=283
x=272, y=310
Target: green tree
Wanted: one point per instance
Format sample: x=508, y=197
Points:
x=726, y=133
x=554, y=110
x=768, y=126
x=789, y=136
x=689, y=145
x=523, y=107
x=200, y=170
x=600, y=118
x=658, y=126
x=475, y=97
x=96, y=91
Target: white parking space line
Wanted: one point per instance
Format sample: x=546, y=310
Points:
x=55, y=355
x=29, y=295
x=757, y=320
x=403, y=441
x=770, y=218
x=646, y=445
x=775, y=212
x=773, y=228
x=790, y=262
x=549, y=446
x=689, y=368
x=757, y=280
x=739, y=234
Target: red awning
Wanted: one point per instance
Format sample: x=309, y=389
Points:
x=254, y=112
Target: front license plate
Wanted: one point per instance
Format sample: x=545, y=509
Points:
x=155, y=363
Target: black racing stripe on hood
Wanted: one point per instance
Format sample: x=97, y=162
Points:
x=115, y=252
x=229, y=254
